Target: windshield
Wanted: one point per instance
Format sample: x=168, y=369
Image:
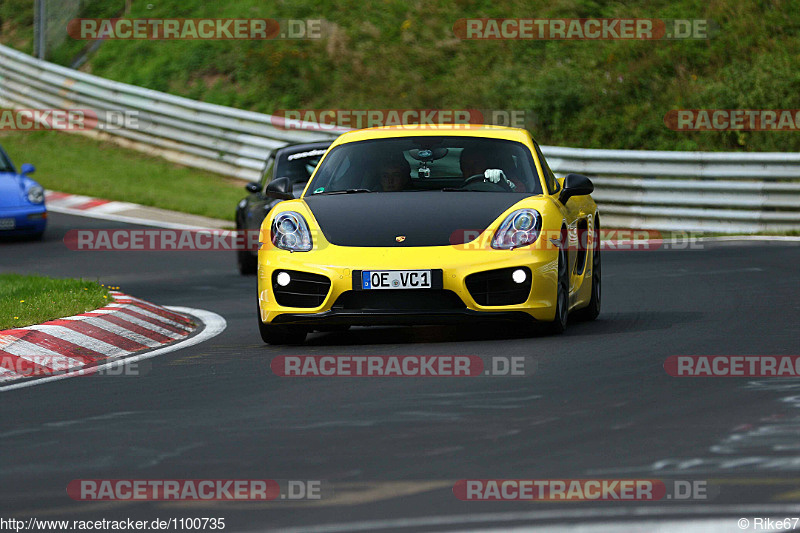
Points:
x=299, y=166
x=428, y=163
x=5, y=163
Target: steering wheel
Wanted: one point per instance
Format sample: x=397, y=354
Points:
x=503, y=184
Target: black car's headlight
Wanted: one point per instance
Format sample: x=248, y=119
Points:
x=290, y=232
x=520, y=228
x=36, y=194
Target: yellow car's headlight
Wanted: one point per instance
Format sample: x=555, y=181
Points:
x=520, y=228
x=290, y=232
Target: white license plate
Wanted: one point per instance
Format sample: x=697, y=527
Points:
x=8, y=223
x=396, y=279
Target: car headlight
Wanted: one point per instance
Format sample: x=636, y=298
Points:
x=520, y=228
x=36, y=194
x=290, y=232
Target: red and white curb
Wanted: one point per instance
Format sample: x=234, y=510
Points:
x=127, y=212
x=76, y=203
x=126, y=330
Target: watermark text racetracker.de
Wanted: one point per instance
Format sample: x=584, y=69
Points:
x=334, y=119
x=32, y=365
x=582, y=29
x=402, y=366
x=162, y=240
x=70, y=120
x=195, y=29
x=574, y=490
x=732, y=366
x=733, y=119
x=585, y=239
x=198, y=489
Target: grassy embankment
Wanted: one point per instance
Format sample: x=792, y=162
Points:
x=26, y=300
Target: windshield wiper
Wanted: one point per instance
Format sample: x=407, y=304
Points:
x=456, y=189
x=346, y=191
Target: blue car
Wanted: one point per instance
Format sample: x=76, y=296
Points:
x=22, y=209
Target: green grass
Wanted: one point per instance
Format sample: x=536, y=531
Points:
x=27, y=300
x=16, y=24
x=386, y=54
x=80, y=165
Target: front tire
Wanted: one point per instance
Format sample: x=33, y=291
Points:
x=248, y=265
x=591, y=311
x=279, y=334
x=559, y=323
x=247, y=262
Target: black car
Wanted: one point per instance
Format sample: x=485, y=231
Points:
x=295, y=163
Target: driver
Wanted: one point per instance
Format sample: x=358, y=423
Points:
x=396, y=175
x=474, y=162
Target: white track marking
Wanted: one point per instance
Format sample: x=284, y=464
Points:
x=129, y=220
x=70, y=202
x=214, y=325
x=113, y=207
x=96, y=312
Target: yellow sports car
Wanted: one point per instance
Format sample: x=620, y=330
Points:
x=428, y=225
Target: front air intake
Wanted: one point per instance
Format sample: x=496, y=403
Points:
x=505, y=286
x=299, y=289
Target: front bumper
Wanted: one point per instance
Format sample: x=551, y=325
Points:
x=27, y=220
x=338, y=264
x=411, y=317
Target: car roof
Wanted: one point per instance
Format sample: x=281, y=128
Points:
x=454, y=130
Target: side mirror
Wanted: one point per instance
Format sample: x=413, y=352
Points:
x=575, y=185
x=253, y=187
x=280, y=189
x=27, y=168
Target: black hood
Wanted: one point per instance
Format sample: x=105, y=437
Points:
x=429, y=218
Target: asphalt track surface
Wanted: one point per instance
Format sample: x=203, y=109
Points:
x=598, y=405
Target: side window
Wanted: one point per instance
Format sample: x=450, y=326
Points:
x=5, y=163
x=269, y=168
x=549, y=177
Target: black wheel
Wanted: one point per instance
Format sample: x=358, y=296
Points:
x=248, y=264
x=277, y=334
x=247, y=261
x=559, y=323
x=591, y=311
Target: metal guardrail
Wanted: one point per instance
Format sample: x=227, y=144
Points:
x=689, y=191
x=216, y=138
x=678, y=191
